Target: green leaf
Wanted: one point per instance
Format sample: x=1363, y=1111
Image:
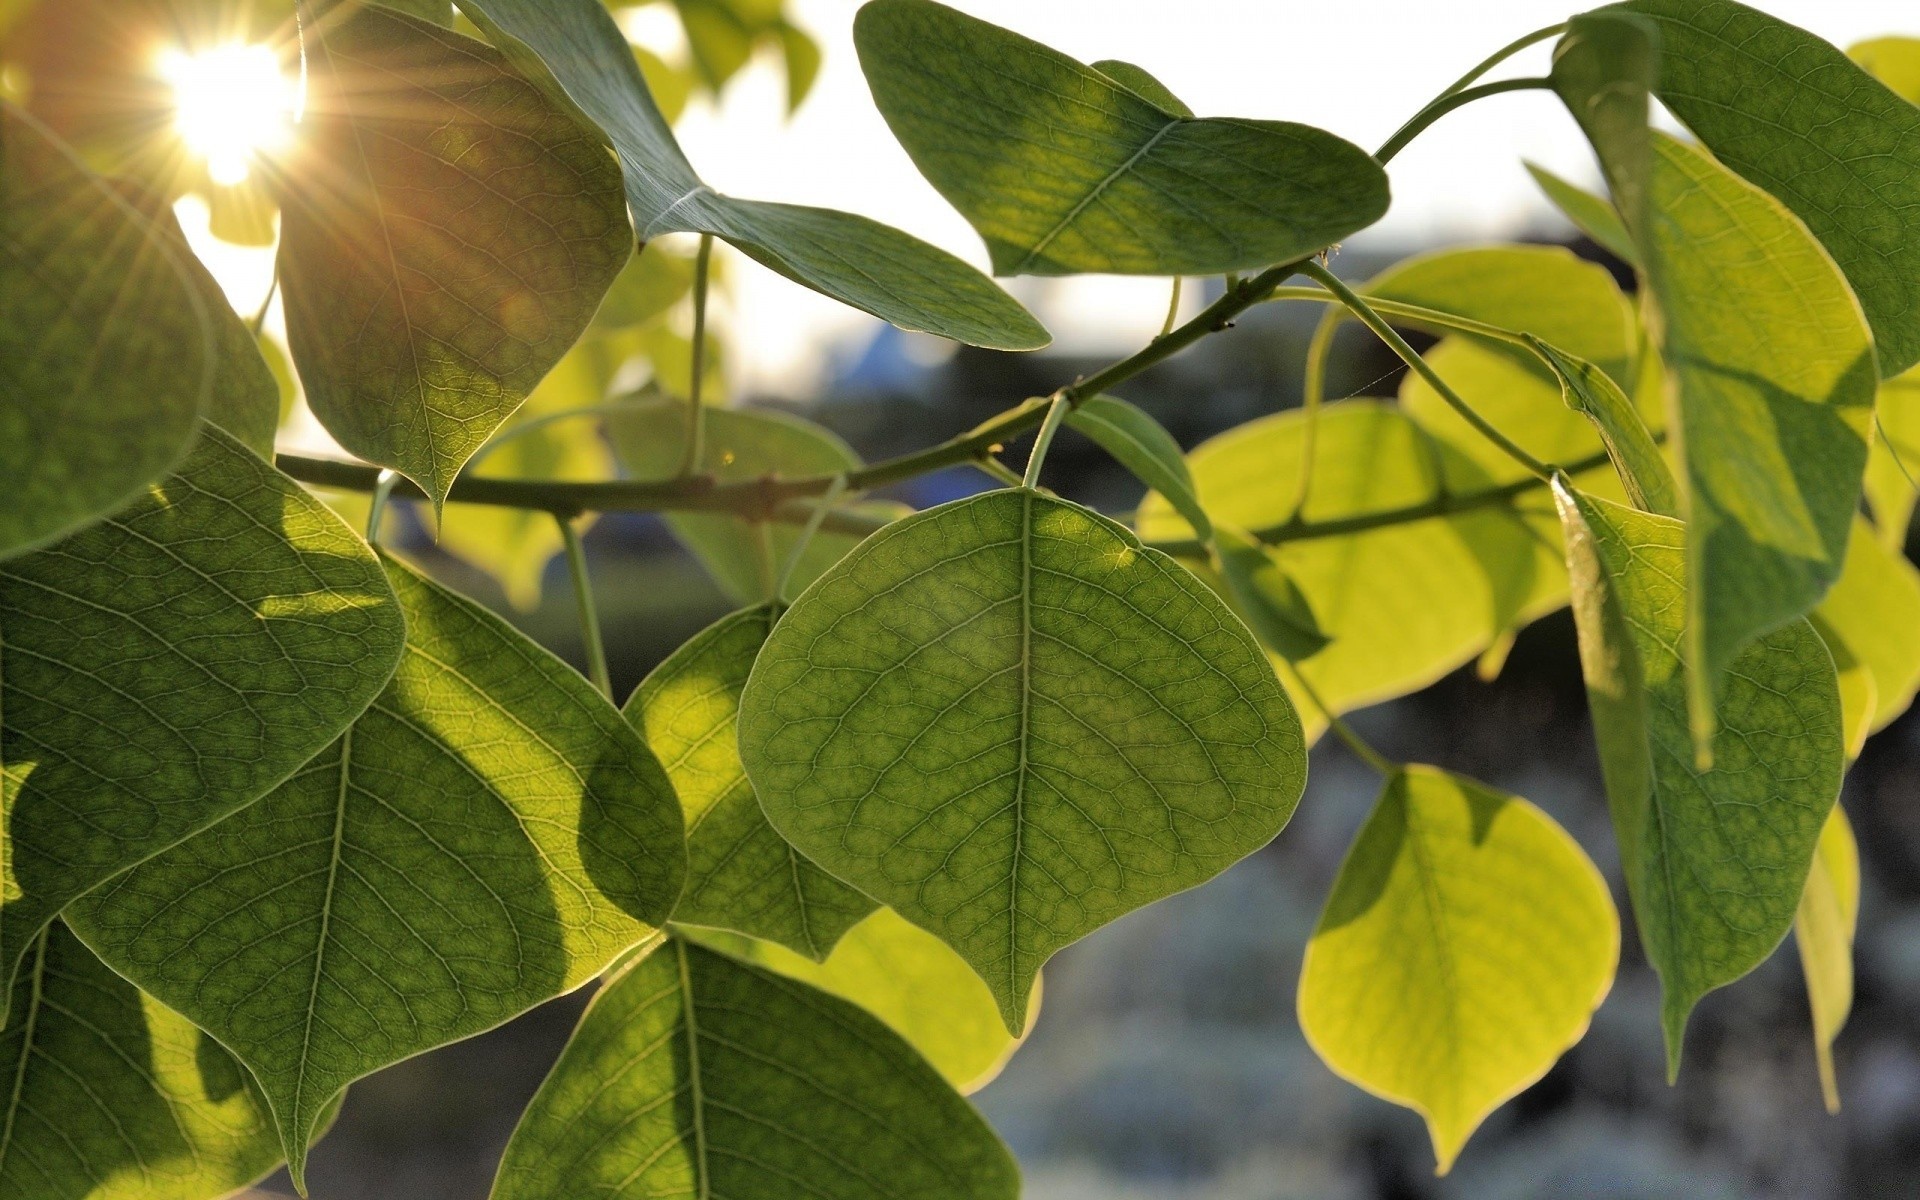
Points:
x=1643, y=471
x=107, y=1095
x=692, y=1074
x=1797, y=118
x=720, y=43
x=108, y=353
x=801, y=54
x=447, y=232
x=856, y=261
x=1063, y=169
x=1463, y=949
x=1590, y=214
x=1893, y=464
x=652, y=282
x=170, y=665
x=488, y=835
x=1605, y=68
x=1270, y=602
x=1143, y=446
x=1894, y=61
x=1873, y=616
x=1540, y=290
x=1012, y=723
x=739, y=445
x=741, y=875
x=1140, y=83
x=1772, y=390
x=911, y=980
x=1823, y=930
x=1716, y=858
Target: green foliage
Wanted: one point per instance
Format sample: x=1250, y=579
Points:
x=413, y=340
x=741, y=875
x=170, y=665
x=1823, y=930
x=487, y=835
x=111, y=1096
x=857, y=261
x=109, y=350
x=1590, y=214
x=1063, y=169
x=1011, y=723
x=1715, y=858
x=1141, y=445
x=1465, y=944
x=694, y=1074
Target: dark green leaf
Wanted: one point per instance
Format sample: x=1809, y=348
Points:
x=1063, y=170
x=695, y=1075
x=105, y=1094
x=447, y=232
x=1143, y=446
x=107, y=355
x=741, y=875
x=1715, y=859
x=171, y=664
x=1799, y=119
x=1136, y=80
x=856, y=261
x=1012, y=723
x=488, y=835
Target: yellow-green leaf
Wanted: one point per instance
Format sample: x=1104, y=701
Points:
x=1465, y=945
x=1823, y=930
x=1872, y=618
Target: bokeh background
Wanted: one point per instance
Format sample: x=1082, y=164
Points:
x=1167, y=1063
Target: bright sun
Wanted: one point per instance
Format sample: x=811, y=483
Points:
x=231, y=104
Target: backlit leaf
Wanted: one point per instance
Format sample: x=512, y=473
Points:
x=108, y=351
x=1590, y=214
x=488, y=835
x=1465, y=945
x=911, y=980
x=1270, y=602
x=1823, y=930
x=692, y=1074
x=1716, y=858
x=1796, y=117
x=1012, y=723
x=447, y=231
x=1873, y=612
x=1894, y=61
x=171, y=664
x=1893, y=464
x=111, y=1096
x=1062, y=169
x=856, y=261
x=1143, y=446
x=741, y=875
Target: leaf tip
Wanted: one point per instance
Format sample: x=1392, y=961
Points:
x=1829, y=1082
x=1673, y=1024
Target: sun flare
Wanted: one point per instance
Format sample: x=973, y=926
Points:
x=231, y=105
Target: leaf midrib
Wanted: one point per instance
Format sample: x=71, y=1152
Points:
x=26, y=1047
x=326, y=917
x=1095, y=193
x=1020, y=773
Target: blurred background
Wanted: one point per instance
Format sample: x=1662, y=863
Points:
x=1167, y=1063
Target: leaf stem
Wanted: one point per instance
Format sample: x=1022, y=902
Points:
x=1391, y=336
x=696, y=414
x=1313, y=393
x=1173, y=309
x=1056, y=413
x=260, y=314
x=990, y=465
x=596, y=647
x=377, y=503
x=1445, y=103
x=1361, y=748
x=820, y=510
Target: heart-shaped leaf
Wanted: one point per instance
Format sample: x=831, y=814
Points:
x=1063, y=169
x=488, y=835
x=741, y=875
x=1012, y=723
x=692, y=1074
x=1465, y=945
x=169, y=665
x=447, y=231
x=856, y=261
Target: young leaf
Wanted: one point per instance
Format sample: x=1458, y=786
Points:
x=856, y=261
x=488, y=835
x=169, y=665
x=108, y=350
x=447, y=232
x=108, y=1095
x=1715, y=858
x=1797, y=118
x=741, y=875
x=740, y=445
x=911, y=980
x=1463, y=949
x=1143, y=446
x=1873, y=615
x=1590, y=214
x=1823, y=930
x=1011, y=722
x=692, y=1074
x=1062, y=169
